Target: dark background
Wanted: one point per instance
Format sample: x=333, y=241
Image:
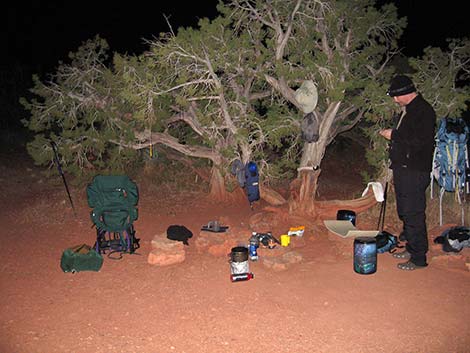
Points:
x=37, y=35
x=42, y=34
x=45, y=32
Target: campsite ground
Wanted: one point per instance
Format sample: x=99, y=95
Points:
x=317, y=305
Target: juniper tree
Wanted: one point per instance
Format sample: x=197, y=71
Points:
x=81, y=109
x=226, y=89
x=443, y=76
x=233, y=80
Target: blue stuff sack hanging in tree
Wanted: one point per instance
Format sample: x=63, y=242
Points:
x=252, y=181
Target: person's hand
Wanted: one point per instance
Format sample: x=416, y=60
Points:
x=387, y=133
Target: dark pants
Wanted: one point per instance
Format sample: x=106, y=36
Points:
x=410, y=192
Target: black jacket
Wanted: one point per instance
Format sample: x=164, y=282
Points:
x=412, y=144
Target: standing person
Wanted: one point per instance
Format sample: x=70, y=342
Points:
x=411, y=153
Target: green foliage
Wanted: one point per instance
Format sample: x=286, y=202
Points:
x=227, y=86
x=443, y=76
x=81, y=110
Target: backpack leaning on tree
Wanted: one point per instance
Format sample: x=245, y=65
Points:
x=451, y=161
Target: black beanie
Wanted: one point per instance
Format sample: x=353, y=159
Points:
x=401, y=85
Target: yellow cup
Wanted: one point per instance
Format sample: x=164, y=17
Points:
x=285, y=240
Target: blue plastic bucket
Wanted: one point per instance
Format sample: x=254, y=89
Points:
x=365, y=255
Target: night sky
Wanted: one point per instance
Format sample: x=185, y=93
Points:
x=42, y=33
x=45, y=33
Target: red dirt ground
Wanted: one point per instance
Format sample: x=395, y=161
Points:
x=317, y=305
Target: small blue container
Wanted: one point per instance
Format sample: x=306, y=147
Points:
x=365, y=255
x=253, y=250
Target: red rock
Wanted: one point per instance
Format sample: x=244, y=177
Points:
x=159, y=258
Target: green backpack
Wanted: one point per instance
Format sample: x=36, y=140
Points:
x=80, y=258
x=114, y=201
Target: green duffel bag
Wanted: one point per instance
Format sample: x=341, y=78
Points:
x=80, y=258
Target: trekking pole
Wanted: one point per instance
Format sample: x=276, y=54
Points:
x=59, y=168
x=383, y=207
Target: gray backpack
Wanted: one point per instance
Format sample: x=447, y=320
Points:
x=310, y=128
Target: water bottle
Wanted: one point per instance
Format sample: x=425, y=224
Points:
x=253, y=249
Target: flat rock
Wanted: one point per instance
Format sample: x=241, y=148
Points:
x=161, y=242
x=221, y=244
x=165, y=258
x=165, y=251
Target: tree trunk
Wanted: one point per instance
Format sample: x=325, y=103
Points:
x=271, y=196
x=329, y=209
x=303, y=191
x=304, y=188
x=217, y=190
x=219, y=193
x=308, y=186
x=309, y=171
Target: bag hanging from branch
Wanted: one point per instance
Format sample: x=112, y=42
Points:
x=307, y=96
x=310, y=128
